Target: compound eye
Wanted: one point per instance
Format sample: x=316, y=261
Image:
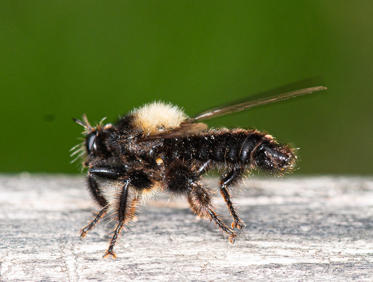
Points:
x=91, y=143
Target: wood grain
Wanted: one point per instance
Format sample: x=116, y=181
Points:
x=318, y=228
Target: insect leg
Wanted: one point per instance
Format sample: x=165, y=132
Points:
x=100, y=199
x=200, y=202
x=122, y=210
x=96, y=192
x=107, y=172
x=92, y=224
x=227, y=180
x=203, y=168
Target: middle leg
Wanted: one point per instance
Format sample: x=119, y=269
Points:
x=122, y=211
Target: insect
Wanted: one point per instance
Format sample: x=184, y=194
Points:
x=157, y=147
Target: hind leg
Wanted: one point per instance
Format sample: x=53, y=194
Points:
x=227, y=180
x=180, y=179
x=200, y=202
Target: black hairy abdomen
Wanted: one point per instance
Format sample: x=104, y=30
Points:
x=227, y=147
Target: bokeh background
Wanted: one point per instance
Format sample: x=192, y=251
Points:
x=60, y=59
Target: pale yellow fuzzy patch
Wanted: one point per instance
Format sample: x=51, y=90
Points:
x=149, y=193
x=157, y=117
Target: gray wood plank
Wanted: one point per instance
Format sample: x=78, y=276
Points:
x=318, y=228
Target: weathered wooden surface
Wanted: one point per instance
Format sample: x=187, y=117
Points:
x=297, y=229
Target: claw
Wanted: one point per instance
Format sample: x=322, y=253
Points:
x=238, y=224
x=110, y=253
x=232, y=238
x=83, y=233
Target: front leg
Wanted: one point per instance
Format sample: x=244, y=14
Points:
x=107, y=172
x=96, y=191
x=126, y=203
x=94, y=188
x=226, y=181
x=100, y=199
x=93, y=223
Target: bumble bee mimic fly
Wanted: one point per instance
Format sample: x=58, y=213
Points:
x=158, y=146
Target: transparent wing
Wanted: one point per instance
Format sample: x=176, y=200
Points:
x=192, y=125
x=219, y=111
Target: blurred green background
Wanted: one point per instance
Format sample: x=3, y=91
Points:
x=60, y=59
